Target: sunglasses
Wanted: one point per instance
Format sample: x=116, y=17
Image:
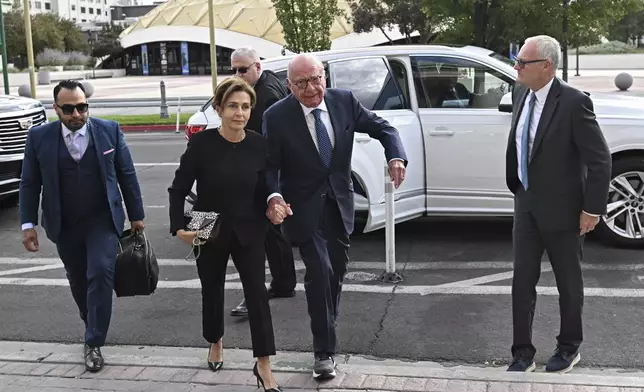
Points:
x=242, y=70
x=522, y=63
x=68, y=109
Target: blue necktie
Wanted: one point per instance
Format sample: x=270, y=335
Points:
x=525, y=142
x=324, y=141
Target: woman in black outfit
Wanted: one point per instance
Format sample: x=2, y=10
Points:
x=228, y=164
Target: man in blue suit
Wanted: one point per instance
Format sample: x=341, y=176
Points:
x=310, y=142
x=79, y=163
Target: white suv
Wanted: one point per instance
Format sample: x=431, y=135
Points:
x=456, y=147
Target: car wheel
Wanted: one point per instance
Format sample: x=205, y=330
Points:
x=623, y=224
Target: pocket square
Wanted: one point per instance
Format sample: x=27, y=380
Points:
x=108, y=151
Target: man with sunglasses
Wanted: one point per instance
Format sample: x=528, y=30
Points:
x=80, y=163
x=559, y=168
x=269, y=89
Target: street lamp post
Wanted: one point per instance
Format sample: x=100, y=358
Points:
x=5, y=71
x=564, y=44
x=30, y=48
x=213, y=45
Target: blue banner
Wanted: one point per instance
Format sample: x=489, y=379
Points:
x=144, y=59
x=185, y=65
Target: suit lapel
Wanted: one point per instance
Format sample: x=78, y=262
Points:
x=95, y=143
x=337, y=131
x=305, y=134
x=549, y=109
x=518, y=108
x=53, y=141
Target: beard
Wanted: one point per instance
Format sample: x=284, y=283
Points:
x=75, y=125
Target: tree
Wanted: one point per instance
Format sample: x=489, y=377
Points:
x=407, y=15
x=628, y=28
x=494, y=24
x=74, y=39
x=48, y=31
x=107, y=42
x=307, y=23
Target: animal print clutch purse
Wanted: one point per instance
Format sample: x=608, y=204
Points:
x=206, y=224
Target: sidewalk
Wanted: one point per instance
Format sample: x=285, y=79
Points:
x=45, y=367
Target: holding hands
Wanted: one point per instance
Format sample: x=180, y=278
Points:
x=278, y=210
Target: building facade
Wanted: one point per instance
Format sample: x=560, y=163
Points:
x=174, y=58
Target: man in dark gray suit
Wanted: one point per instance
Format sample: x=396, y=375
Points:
x=558, y=167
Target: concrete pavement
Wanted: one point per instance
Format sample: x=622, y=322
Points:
x=56, y=367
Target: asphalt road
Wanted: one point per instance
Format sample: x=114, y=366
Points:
x=467, y=319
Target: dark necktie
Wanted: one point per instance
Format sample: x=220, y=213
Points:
x=324, y=141
x=525, y=142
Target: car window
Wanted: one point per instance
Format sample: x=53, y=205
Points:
x=206, y=105
x=370, y=81
x=445, y=82
x=282, y=76
x=400, y=73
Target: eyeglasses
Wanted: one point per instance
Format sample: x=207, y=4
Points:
x=68, y=109
x=522, y=63
x=241, y=70
x=303, y=83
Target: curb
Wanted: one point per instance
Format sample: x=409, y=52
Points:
x=292, y=369
x=152, y=128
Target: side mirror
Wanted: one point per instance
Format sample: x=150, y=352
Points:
x=505, y=105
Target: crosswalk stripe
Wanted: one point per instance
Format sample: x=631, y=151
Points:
x=376, y=265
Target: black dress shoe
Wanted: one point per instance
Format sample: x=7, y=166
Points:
x=522, y=363
x=93, y=359
x=240, y=310
x=562, y=361
x=280, y=294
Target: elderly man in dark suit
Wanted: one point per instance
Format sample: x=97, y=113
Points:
x=80, y=163
x=558, y=167
x=310, y=142
x=268, y=90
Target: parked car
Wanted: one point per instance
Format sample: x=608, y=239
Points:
x=17, y=116
x=456, y=142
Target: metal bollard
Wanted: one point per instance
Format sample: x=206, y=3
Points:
x=164, y=104
x=178, y=115
x=390, y=275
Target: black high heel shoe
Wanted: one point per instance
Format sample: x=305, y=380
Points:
x=260, y=380
x=214, y=366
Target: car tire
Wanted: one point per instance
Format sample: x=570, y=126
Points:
x=613, y=227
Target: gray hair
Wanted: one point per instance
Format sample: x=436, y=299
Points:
x=307, y=57
x=247, y=52
x=548, y=48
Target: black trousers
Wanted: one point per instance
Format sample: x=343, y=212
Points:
x=88, y=252
x=326, y=255
x=249, y=261
x=280, y=261
x=565, y=252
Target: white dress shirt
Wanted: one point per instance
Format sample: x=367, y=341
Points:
x=542, y=95
x=79, y=140
x=326, y=120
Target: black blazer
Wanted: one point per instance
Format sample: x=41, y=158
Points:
x=295, y=168
x=570, y=164
x=268, y=89
x=231, y=180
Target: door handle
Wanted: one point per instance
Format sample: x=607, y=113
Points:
x=441, y=131
x=362, y=139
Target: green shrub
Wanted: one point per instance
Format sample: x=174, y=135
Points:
x=612, y=47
